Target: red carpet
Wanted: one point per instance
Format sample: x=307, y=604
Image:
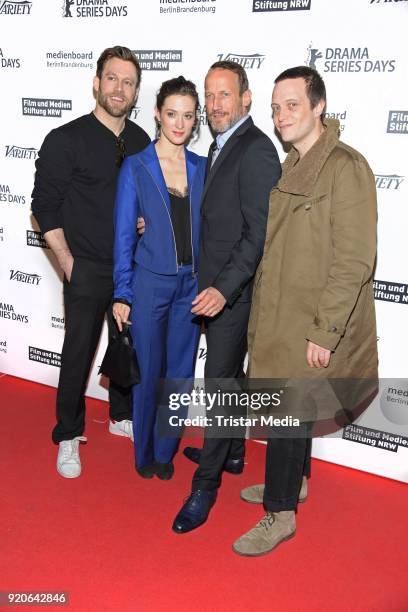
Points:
x=105, y=537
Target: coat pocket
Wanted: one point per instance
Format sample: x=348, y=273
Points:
x=308, y=205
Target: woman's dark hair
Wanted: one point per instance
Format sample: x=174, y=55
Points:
x=178, y=86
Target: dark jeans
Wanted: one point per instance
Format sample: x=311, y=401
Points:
x=226, y=349
x=287, y=461
x=87, y=298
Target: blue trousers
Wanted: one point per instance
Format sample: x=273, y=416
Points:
x=165, y=335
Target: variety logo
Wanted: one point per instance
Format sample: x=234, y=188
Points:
x=341, y=118
x=44, y=356
x=157, y=59
x=193, y=6
x=397, y=122
x=24, y=277
x=347, y=59
x=263, y=6
x=3, y=346
x=45, y=107
x=14, y=7
x=21, y=152
x=7, y=312
x=387, y=291
x=202, y=353
x=386, y=1
x=135, y=110
x=69, y=59
x=9, y=62
x=36, y=239
x=247, y=61
x=58, y=322
x=94, y=8
x=388, y=181
x=8, y=197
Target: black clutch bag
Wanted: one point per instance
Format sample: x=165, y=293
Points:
x=120, y=361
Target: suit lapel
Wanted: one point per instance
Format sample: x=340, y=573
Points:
x=191, y=167
x=226, y=149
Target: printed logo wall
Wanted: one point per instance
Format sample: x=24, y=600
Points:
x=48, y=80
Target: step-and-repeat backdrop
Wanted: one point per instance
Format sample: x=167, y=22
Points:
x=48, y=53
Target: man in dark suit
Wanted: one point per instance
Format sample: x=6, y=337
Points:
x=243, y=167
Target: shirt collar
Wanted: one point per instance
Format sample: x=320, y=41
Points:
x=222, y=138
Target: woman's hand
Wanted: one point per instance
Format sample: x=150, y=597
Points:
x=141, y=226
x=121, y=314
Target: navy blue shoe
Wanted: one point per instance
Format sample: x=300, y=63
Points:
x=195, y=511
x=232, y=466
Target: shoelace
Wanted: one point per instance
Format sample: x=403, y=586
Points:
x=127, y=426
x=70, y=449
x=267, y=521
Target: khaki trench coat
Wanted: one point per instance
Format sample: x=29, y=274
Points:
x=314, y=281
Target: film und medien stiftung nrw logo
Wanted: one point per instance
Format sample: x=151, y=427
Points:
x=36, y=239
x=390, y=291
x=44, y=356
x=17, y=152
x=45, y=107
x=93, y=8
x=391, y=182
x=15, y=7
x=347, y=59
x=6, y=61
x=397, y=122
x=264, y=6
x=249, y=61
x=157, y=59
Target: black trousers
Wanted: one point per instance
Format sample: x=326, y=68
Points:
x=226, y=349
x=88, y=297
x=288, y=459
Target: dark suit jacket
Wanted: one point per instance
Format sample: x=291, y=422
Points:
x=234, y=212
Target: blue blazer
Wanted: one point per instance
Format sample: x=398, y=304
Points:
x=142, y=192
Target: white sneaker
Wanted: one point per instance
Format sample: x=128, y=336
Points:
x=122, y=428
x=68, y=461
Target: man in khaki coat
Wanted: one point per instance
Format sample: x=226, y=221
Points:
x=312, y=316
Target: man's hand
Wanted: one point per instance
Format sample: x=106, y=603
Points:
x=141, y=226
x=208, y=303
x=56, y=241
x=317, y=356
x=67, y=263
x=121, y=314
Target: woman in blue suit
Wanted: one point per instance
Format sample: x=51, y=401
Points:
x=155, y=275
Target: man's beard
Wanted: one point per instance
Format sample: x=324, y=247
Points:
x=113, y=110
x=228, y=123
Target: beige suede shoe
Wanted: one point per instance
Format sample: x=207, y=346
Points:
x=254, y=494
x=274, y=528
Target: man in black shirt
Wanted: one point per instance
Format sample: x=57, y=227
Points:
x=73, y=201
